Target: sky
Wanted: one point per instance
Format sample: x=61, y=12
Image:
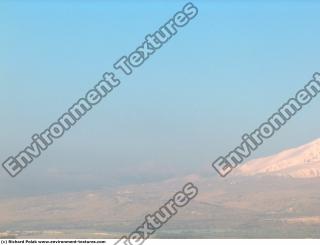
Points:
x=221, y=76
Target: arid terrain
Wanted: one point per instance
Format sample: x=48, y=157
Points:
x=273, y=197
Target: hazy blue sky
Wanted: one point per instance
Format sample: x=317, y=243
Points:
x=221, y=76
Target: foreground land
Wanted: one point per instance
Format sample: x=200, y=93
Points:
x=238, y=207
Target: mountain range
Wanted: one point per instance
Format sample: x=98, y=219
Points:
x=272, y=197
x=299, y=162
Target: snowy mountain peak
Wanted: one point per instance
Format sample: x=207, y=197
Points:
x=299, y=162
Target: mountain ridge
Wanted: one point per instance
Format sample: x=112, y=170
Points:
x=299, y=162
